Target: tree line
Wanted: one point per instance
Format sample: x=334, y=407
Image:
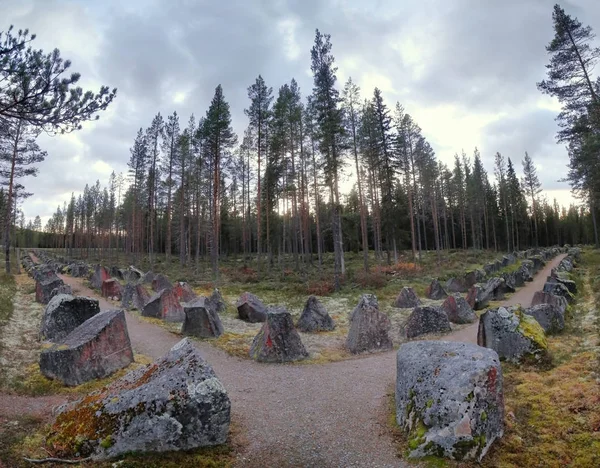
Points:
x=196, y=191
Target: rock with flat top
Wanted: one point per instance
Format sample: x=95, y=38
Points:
x=278, y=340
x=458, y=310
x=176, y=403
x=64, y=313
x=513, y=334
x=112, y=289
x=95, y=349
x=455, y=285
x=449, y=399
x=201, y=319
x=558, y=289
x=45, y=286
x=550, y=317
x=250, y=308
x=164, y=305
x=425, y=320
x=541, y=297
x=369, y=327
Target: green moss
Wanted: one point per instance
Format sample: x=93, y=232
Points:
x=107, y=442
x=429, y=403
x=417, y=435
x=484, y=416
x=530, y=328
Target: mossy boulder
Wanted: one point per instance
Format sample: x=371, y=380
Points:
x=550, y=317
x=449, y=399
x=176, y=403
x=513, y=334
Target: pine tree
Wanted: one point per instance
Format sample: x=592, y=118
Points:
x=572, y=59
x=170, y=144
x=533, y=187
x=259, y=114
x=329, y=119
x=220, y=138
x=153, y=134
x=18, y=152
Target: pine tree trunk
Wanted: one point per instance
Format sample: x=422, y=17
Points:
x=9, y=199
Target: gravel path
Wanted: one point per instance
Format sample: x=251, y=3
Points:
x=330, y=415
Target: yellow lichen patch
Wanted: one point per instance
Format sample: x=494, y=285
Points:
x=236, y=344
x=532, y=329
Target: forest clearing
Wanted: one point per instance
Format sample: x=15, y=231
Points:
x=300, y=275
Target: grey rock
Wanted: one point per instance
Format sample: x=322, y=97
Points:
x=426, y=319
x=541, y=297
x=449, y=399
x=458, y=310
x=369, y=327
x=478, y=297
x=314, y=317
x=201, y=319
x=277, y=340
x=435, y=291
x=558, y=289
x=111, y=288
x=474, y=277
x=407, y=299
x=95, y=349
x=164, y=305
x=64, y=313
x=455, y=285
x=513, y=334
x=160, y=282
x=569, y=284
x=184, y=292
x=217, y=301
x=62, y=289
x=550, y=317
x=135, y=295
x=250, y=308
x=176, y=403
x=100, y=275
x=148, y=277
x=45, y=286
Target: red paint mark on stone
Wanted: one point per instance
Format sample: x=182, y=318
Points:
x=269, y=342
x=492, y=376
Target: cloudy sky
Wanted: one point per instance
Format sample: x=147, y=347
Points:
x=464, y=69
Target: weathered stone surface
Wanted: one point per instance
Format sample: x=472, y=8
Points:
x=100, y=275
x=160, y=282
x=458, y=309
x=435, y=291
x=455, y=285
x=64, y=313
x=133, y=274
x=116, y=272
x=201, y=319
x=62, y=289
x=135, y=295
x=407, y=299
x=513, y=334
x=277, y=340
x=45, y=286
x=79, y=269
x=498, y=287
x=541, y=297
x=148, y=277
x=558, y=289
x=314, y=317
x=426, y=319
x=184, y=292
x=566, y=265
x=449, y=399
x=112, y=289
x=369, y=328
x=473, y=277
x=538, y=263
x=164, y=305
x=549, y=316
x=569, y=284
x=478, y=297
x=217, y=301
x=95, y=349
x=250, y=308
x=176, y=403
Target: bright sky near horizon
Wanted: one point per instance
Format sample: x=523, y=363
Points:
x=466, y=70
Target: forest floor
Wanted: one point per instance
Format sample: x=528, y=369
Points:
x=335, y=414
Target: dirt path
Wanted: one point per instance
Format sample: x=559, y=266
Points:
x=331, y=415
